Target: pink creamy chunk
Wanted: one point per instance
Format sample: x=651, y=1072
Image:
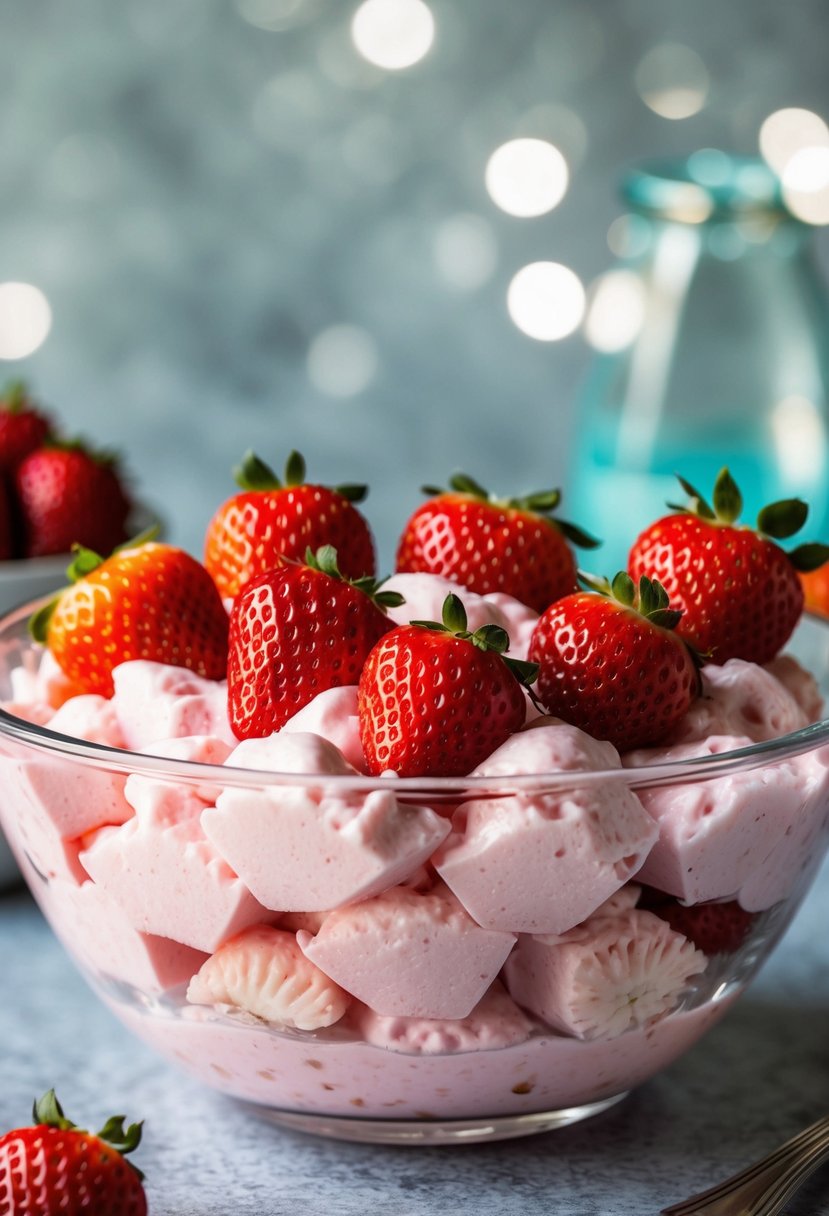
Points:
x=154, y=701
x=495, y=1022
x=409, y=954
x=312, y=848
x=800, y=683
x=94, y=928
x=162, y=871
x=614, y=974
x=714, y=834
x=542, y=862
x=740, y=698
x=333, y=716
x=424, y=595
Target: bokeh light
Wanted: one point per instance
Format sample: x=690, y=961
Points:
x=799, y=438
x=25, y=320
x=393, y=34
x=616, y=311
x=465, y=251
x=629, y=236
x=276, y=15
x=672, y=80
x=546, y=301
x=527, y=177
x=342, y=360
x=806, y=185
x=787, y=132
x=560, y=126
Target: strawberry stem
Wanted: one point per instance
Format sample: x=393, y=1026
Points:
x=488, y=638
x=325, y=561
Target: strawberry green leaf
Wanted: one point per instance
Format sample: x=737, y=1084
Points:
x=728, y=501
x=491, y=637
x=388, y=599
x=623, y=589
x=542, y=501
x=594, y=582
x=809, y=556
x=577, y=535
x=464, y=484
x=48, y=1110
x=126, y=1140
x=697, y=505
x=15, y=396
x=432, y=491
x=665, y=618
x=454, y=614
x=83, y=563
x=782, y=519
x=324, y=560
x=39, y=621
x=294, y=470
x=254, y=474
x=353, y=493
x=525, y=673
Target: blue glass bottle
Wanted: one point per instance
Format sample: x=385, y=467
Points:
x=730, y=365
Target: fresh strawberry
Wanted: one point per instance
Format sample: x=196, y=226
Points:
x=714, y=928
x=489, y=544
x=254, y=531
x=70, y=495
x=23, y=426
x=296, y=631
x=611, y=662
x=58, y=1169
x=146, y=601
x=436, y=700
x=7, y=530
x=739, y=591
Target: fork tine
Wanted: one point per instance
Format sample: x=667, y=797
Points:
x=705, y=1202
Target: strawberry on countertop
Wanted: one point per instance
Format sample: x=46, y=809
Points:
x=57, y=1169
x=146, y=601
x=23, y=426
x=296, y=631
x=611, y=662
x=435, y=699
x=271, y=519
x=67, y=494
x=739, y=591
x=490, y=544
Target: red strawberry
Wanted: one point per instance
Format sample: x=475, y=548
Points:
x=612, y=664
x=69, y=495
x=489, y=544
x=23, y=427
x=436, y=700
x=146, y=601
x=6, y=523
x=58, y=1169
x=739, y=591
x=253, y=531
x=714, y=928
x=294, y=632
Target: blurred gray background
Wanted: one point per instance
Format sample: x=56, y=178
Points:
x=242, y=232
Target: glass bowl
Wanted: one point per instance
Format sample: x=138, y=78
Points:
x=507, y=953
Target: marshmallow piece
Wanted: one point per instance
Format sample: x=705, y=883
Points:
x=714, y=834
x=94, y=929
x=263, y=972
x=542, y=862
x=155, y=701
x=628, y=971
x=409, y=954
x=800, y=683
x=90, y=717
x=333, y=715
x=36, y=712
x=495, y=1022
x=160, y=869
x=310, y=849
x=41, y=679
x=798, y=851
x=739, y=698
x=424, y=595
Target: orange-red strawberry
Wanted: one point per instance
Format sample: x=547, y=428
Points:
x=436, y=700
x=271, y=520
x=70, y=495
x=490, y=544
x=146, y=601
x=612, y=663
x=58, y=1169
x=23, y=426
x=294, y=632
x=739, y=591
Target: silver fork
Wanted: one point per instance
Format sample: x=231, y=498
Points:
x=763, y=1189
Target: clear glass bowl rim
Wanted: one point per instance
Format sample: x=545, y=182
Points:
x=124, y=762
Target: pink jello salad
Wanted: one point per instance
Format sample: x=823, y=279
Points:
x=304, y=920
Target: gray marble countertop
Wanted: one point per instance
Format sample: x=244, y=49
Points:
x=756, y=1079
